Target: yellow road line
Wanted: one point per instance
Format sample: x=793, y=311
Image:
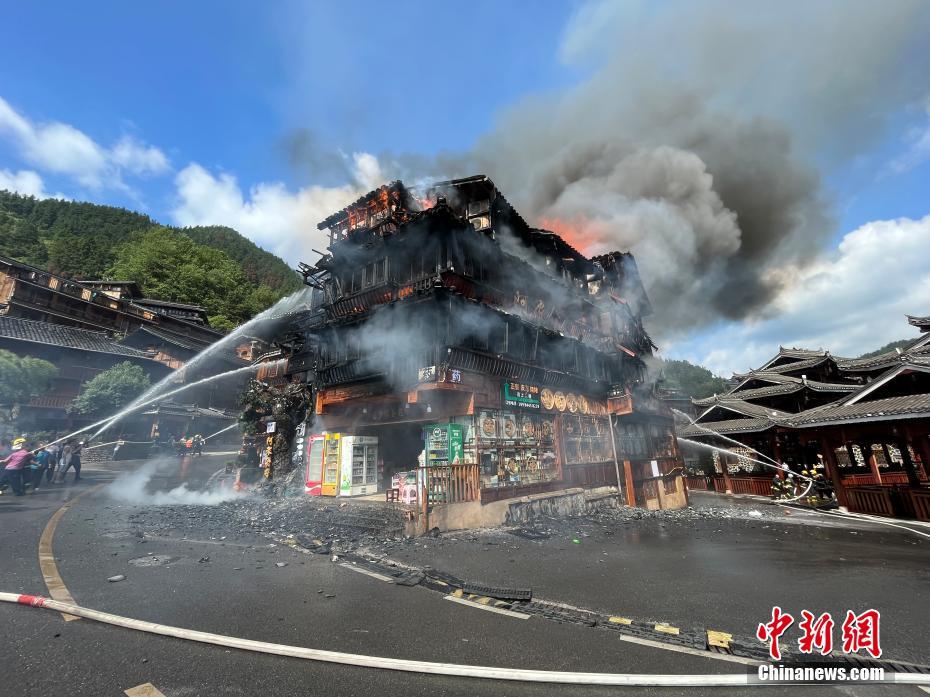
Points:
x=53, y=581
x=144, y=690
x=666, y=628
x=619, y=620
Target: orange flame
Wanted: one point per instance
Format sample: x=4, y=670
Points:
x=577, y=232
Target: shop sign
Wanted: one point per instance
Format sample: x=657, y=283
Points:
x=270, y=427
x=520, y=395
x=427, y=374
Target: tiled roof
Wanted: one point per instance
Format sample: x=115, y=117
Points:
x=798, y=365
x=908, y=405
x=170, y=337
x=65, y=337
x=748, y=408
x=725, y=427
x=922, y=322
x=783, y=384
x=145, y=302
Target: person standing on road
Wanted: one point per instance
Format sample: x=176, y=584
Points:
x=71, y=457
x=54, y=454
x=14, y=464
x=40, y=465
x=64, y=462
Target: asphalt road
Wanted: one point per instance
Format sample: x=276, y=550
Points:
x=235, y=586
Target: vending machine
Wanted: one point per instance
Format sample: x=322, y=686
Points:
x=329, y=486
x=313, y=482
x=444, y=445
x=358, y=466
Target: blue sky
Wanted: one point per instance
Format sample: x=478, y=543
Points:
x=265, y=116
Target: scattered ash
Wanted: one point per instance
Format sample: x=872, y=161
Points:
x=322, y=525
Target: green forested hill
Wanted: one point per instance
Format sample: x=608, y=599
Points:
x=215, y=267
x=259, y=266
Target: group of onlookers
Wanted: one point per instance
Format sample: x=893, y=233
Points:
x=22, y=466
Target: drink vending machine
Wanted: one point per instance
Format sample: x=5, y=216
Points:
x=348, y=464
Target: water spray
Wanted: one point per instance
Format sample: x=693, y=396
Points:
x=279, y=309
x=810, y=481
x=138, y=405
x=231, y=426
x=726, y=438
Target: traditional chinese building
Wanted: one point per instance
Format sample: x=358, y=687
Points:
x=86, y=327
x=867, y=420
x=443, y=307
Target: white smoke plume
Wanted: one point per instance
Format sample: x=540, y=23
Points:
x=131, y=487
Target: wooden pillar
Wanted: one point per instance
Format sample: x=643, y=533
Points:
x=873, y=463
x=613, y=445
x=829, y=459
x=921, y=443
x=776, y=451
x=630, y=491
x=728, y=487
x=912, y=478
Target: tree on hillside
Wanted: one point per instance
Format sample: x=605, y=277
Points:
x=82, y=240
x=890, y=346
x=171, y=266
x=21, y=379
x=260, y=267
x=692, y=380
x=111, y=390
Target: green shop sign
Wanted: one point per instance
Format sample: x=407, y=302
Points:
x=518, y=394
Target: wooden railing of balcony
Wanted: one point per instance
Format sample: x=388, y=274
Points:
x=453, y=483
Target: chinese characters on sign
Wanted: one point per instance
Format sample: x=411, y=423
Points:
x=520, y=395
x=860, y=632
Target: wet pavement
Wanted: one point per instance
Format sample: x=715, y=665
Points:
x=214, y=568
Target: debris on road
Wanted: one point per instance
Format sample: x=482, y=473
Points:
x=117, y=578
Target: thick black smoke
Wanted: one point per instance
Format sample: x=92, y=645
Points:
x=697, y=145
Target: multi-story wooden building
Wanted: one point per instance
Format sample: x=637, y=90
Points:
x=443, y=306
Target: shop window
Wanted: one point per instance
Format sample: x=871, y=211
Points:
x=879, y=452
x=515, y=449
x=859, y=457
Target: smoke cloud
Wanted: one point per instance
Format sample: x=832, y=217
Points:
x=696, y=144
x=130, y=487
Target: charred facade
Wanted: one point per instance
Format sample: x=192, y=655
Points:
x=443, y=306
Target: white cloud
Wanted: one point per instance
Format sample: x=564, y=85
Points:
x=138, y=158
x=850, y=302
x=63, y=149
x=275, y=218
x=23, y=182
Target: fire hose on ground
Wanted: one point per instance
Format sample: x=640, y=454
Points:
x=400, y=664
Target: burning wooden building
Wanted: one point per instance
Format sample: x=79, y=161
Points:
x=461, y=337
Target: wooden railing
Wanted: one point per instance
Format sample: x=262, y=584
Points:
x=454, y=483
x=696, y=482
x=920, y=498
x=874, y=500
x=869, y=480
x=757, y=486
